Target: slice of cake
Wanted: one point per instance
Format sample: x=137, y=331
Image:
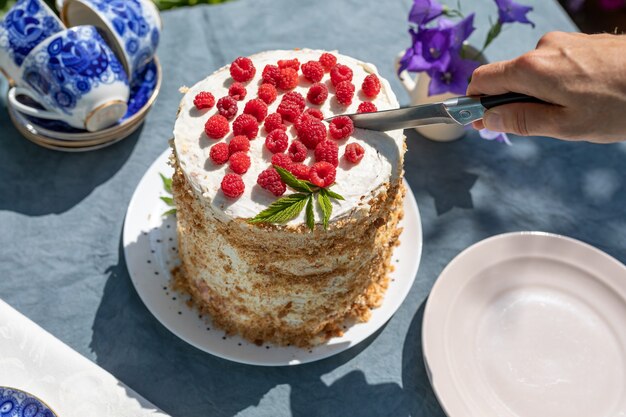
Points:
x=286, y=223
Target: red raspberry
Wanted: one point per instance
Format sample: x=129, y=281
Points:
x=238, y=144
x=270, y=180
x=219, y=153
x=354, y=153
x=271, y=73
x=327, y=150
x=204, y=100
x=239, y=162
x=317, y=113
x=242, y=69
x=341, y=127
x=276, y=141
x=232, y=185
x=371, y=86
x=301, y=171
x=267, y=93
x=288, y=79
x=246, y=125
x=282, y=160
x=257, y=108
x=322, y=174
x=318, y=93
x=227, y=107
x=216, y=127
x=289, y=63
x=237, y=91
x=309, y=114
x=311, y=132
x=289, y=110
x=274, y=121
x=328, y=61
x=297, y=151
x=366, y=107
x=313, y=71
x=344, y=92
x=295, y=97
x=340, y=73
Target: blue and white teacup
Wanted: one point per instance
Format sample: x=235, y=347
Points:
x=24, y=27
x=132, y=27
x=77, y=78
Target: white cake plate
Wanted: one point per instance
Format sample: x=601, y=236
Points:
x=528, y=324
x=150, y=247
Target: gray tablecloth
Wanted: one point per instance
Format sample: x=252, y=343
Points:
x=61, y=218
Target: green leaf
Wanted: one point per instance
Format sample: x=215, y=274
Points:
x=289, y=179
x=171, y=211
x=310, y=216
x=334, y=195
x=493, y=33
x=168, y=200
x=282, y=210
x=167, y=183
x=325, y=205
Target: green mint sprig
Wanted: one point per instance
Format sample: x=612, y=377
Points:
x=167, y=186
x=290, y=206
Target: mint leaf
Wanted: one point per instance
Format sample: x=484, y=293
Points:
x=310, y=216
x=167, y=183
x=168, y=200
x=334, y=195
x=325, y=205
x=171, y=211
x=282, y=210
x=290, y=179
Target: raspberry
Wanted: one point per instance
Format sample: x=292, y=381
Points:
x=204, y=100
x=313, y=71
x=301, y=171
x=276, y=141
x=232, y=185
x=288, y=79
x=328, y=61
x=289, y=63
x=237, y=91
x=216, y=127
x=322, y=174
x=238, y=144
x=308, y=114
x=297, y=151
x=327, y=150
x=295, y=97
x=311, y=132
x=340, y=127
x=340, y=73
x=289, y=110
x=282, y=160
x=318, y=93
x=344, y=92
x=371, y=86
x=257, y=108
x=227, y=107
x=366, y=107
x=270, y=180
x=317, y=113
x=271, y=73
x=246, y=125
x=219, y=153
x=354, y=153
x=267, y=93
x=274, y=121
x=239, y=162
x=242, y=69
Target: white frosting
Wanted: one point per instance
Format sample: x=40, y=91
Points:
x=357, y=183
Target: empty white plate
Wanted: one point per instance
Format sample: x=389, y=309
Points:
x=529, y=325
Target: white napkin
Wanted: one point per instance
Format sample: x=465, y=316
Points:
x=33, y=360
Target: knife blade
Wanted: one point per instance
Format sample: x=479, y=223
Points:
x=457, y=110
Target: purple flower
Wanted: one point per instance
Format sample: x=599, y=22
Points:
x=430, y=50
x=612, y=4
x=509, y=12
x=454, y=78
x=497, y=136
x=423, y=11
x=460, y=31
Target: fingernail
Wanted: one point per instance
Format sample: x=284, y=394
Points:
x=493, y=121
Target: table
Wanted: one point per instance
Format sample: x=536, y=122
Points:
x=61, y=219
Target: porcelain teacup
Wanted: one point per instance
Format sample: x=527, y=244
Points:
x=76, y=78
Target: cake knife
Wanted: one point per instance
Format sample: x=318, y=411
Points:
x=457, y=110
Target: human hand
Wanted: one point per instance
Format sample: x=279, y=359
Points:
x=584, y=76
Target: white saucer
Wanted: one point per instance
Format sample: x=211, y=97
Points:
x=150, y=250
x=528, y=325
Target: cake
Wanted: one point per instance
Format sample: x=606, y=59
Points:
x=301, y=277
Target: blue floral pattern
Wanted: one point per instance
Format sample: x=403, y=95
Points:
x=26, y=25
x=16, y=403
x=71, y=66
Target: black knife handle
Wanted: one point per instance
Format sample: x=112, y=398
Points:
x=492, y=101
